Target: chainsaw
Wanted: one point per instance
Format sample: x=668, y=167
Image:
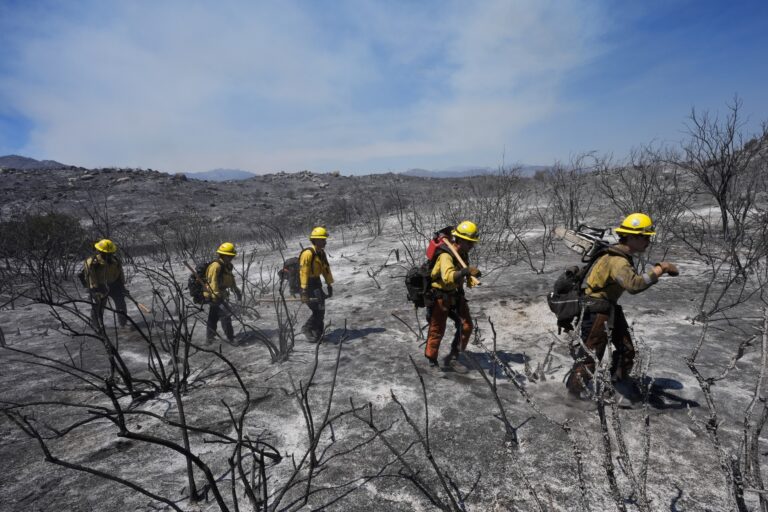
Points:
x=584, y=240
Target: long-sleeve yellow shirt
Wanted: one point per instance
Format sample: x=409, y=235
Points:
x=313, y=263
x=613, y=274
x=445, y=273
x=220, y=280
x=102, y=272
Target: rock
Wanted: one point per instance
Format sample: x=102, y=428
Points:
x=179, y=176
x=124, y=179
x=87, y=177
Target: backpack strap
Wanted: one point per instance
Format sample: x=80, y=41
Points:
x=314, y=253
x=440, y=249
x=610, y=250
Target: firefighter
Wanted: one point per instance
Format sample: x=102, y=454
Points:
x=313, y=263
x=611, y=275
x=447, y=295
x=105, y=280
x=220, y=280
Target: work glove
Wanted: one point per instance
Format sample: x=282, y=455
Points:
x=98, y=295
x=461, y=274
x=330, y=292
x=239, y=295
x=668, y=268
x=475, y=272
x=304, y=296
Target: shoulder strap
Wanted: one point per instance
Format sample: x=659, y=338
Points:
x=440, y=249
x=588, y=269
x=312, y=250
x=607, y=251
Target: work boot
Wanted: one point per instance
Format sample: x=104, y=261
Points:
x=433, y=362
x=574, y=384
x=630, y=389
x=310, y=334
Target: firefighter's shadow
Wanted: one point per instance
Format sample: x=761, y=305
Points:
x=253, y=337
x=660, y=396
x=489, y=365
x=336, y=336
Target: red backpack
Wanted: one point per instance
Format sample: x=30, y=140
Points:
x=437, y=241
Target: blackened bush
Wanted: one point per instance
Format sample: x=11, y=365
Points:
x=55, y=240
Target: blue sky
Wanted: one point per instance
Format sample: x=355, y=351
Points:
x=367, y=86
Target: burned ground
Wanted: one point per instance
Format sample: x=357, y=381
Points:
x=372, y=458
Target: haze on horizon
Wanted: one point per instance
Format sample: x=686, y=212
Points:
x=367, y=86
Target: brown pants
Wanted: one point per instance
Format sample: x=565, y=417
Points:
x=438, y=317
x=594, y=333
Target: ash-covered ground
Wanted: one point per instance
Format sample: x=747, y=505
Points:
x=466, y=434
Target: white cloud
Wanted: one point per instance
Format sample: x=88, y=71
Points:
x=193, y=85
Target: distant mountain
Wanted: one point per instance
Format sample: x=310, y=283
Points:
x=462, y=172
x=220, y=175
x=453, y=172
x=24, y=163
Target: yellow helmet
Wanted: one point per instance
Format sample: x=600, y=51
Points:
x=636, y=224
x=105, y=246
x=467, y=230
x=319, y=232
x=227, y=249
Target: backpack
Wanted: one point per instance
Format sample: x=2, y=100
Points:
x=567, y=298
x=290, y=273
x=418, y=279
x=196, y=283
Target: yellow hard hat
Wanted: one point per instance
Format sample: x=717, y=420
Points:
x=636, y=224
x=319, y=232
x=467, y=230
x=227, y=249
x=106, y=246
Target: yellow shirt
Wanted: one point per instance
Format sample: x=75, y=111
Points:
x=312, y=265
x=444, y=273
x=101, y=273
x=613, y=274
x=220, y=279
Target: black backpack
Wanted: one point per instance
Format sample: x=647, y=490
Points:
x=567, y=298
x=196, y=283
x=290, y=273
x=418, y=279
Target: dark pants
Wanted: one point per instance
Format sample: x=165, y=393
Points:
x=219, y=311
x=444, y=307
x=594, y=333
x=99, y=305
x=315, y=325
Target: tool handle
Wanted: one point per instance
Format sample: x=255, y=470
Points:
x=473, y=281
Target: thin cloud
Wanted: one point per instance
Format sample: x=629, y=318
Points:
x=193, y=86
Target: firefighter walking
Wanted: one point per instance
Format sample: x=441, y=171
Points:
x=447, y=298
x=612, y=274
x=105, y=280
x=313, y=263
x=220, y=279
